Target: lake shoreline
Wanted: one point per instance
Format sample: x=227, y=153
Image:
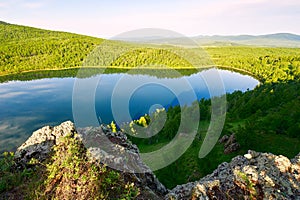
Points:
x=54, y=91
x=234, y=69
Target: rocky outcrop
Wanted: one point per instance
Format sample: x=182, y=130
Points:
x=40, y=144
x=116, y=151
x=252, y=176
x=231, y=144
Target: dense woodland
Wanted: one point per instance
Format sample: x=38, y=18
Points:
x=266, y=119
x=25, y=48
x=268, y=65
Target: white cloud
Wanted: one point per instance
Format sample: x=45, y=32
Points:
x=11, y=95
x=33, y=5
x=12, y=125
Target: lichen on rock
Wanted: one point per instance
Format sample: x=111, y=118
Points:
x=255, y=175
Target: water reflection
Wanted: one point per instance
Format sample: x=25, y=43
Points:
x=28, y=105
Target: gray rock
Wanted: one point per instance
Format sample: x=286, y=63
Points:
x=103, y=146
x=40, y=143
x=230, y=140
x=232, y=148
x=223, y=139
x=117, y=152
x=271, y=177
x=231, y=145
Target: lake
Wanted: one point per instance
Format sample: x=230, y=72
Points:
x=29, y=105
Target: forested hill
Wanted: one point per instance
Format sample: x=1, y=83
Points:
x=25, y=48
x=28, y=49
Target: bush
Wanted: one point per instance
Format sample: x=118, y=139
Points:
x=71, y=175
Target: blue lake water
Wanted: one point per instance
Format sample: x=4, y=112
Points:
x=28, y=105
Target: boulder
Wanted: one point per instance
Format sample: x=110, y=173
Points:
x=223, y=139
x=231, y=145
x=232, y=148
x=230, y=140
x=103, y=146
x=117, y=152
x=40, y=143
x=271, y=177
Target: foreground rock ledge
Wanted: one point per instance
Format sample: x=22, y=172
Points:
x=40, y=144
x=252, y=176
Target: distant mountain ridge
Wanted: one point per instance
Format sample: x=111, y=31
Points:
x=268, y=40
x=281, y=36
x=288, y=36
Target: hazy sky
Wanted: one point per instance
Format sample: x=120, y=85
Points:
x=189, y=17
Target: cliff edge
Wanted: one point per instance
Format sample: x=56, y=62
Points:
x=252, y=176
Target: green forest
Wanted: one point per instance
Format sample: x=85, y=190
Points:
x=266, y=119
x=28, y=49
x=266, y=64
x=24, y=49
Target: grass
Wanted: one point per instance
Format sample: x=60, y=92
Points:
x=67, y=174
x=270, y=142
x=8, y=179
x=190, y=168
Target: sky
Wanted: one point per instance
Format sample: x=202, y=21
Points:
x=188, y=17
